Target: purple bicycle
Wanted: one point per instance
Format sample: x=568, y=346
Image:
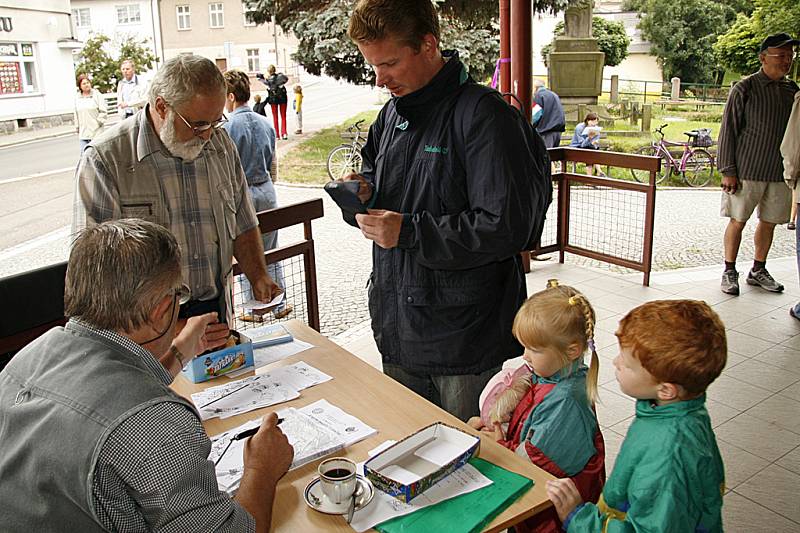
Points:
x=695, y=164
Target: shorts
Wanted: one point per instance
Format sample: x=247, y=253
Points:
x=773, y=198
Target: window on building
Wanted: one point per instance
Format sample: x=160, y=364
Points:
x=184, y=17
x=17, y=69
x=246, y=11
x=81, y=17
x=215, y=15
x=128, y=14
x=253, y=60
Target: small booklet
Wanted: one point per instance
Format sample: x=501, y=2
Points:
x=589, y=129
x=269, y=335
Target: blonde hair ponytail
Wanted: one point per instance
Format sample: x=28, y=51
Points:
x=594, y=365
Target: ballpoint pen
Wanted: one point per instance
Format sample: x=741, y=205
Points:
x=241, y=436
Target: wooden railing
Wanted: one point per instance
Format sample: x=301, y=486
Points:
x=597, y=213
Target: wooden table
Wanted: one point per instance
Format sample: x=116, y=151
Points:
x=379, y=401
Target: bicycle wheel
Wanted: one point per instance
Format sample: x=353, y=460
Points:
x=342, y=161
x=643, y=176
x=699, y=168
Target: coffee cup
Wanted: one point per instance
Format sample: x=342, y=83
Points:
x=338, y=479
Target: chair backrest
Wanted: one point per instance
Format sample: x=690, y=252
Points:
x=33, y=302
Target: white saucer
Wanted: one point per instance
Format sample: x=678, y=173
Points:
x=317, y=500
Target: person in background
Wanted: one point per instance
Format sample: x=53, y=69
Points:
x=668, y=476
x=259, y=105
x=255, y=141
x=277, y=98
x=115, y=448
x=297, y=104
x=90, y=111
x=131, y=92
x=552, y=121
x=587, y=136
x=749, y=157
x=790, y=151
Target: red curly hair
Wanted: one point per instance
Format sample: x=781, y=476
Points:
x=677, y=341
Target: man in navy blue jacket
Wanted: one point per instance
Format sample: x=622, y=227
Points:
x=457, y=183
x=552, y=121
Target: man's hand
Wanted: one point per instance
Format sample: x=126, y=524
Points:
x=364, y=187
x=265, y=289
x=381, y=227
x=268, y=452
x=194, y=338
x=730, y=184
x=564, y=495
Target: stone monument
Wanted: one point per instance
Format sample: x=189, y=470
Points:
x=575, y=65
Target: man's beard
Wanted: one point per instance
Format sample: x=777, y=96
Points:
x=189, y=150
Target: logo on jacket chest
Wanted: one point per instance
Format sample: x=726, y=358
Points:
x=436, y=149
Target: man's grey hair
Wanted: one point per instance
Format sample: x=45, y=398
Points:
x=128, y=61
x=119, y=271
x=183, y=77
x=537, y=83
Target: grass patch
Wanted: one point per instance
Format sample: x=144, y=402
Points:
x=305, y=163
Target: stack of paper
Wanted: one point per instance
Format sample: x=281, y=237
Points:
x=314, y=431
x=273, y=387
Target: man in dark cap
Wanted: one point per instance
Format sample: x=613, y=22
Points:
x=750, y=136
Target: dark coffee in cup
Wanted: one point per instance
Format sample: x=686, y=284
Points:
x=338, y=473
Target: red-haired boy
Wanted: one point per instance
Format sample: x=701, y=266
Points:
x=669, y=475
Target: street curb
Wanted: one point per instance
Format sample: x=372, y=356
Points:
x=34, y=139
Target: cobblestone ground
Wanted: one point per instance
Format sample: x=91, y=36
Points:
x=688, y=232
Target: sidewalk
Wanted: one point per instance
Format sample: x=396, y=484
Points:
x=754, y=405
x=21, y=137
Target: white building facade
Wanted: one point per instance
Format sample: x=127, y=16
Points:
x=118, y=20
x=37, y=79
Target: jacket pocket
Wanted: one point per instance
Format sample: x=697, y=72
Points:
x=145, y=207
x=437, y=314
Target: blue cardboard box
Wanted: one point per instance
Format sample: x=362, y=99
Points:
x=221, y=362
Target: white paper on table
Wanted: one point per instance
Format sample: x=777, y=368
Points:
x=348, y=427
x=270, y=354
x=299, y=376
x=257, y=305
x=384, y=507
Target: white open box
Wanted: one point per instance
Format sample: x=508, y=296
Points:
x=409, y=467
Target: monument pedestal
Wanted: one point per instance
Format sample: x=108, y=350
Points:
x=575, y=70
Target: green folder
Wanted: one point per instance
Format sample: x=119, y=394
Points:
x=468, y=512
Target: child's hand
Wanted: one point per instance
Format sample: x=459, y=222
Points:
x=475, y=422
x=564, y=495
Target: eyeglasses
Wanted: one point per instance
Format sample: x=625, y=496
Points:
x=184, y=294
x=201, y=128
x=783, y=56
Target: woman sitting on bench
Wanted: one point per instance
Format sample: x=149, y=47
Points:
x=587, y=136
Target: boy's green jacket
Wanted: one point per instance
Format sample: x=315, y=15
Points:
x=668, y=476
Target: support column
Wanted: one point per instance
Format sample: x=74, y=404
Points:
x=521, y=49
x=505, y=47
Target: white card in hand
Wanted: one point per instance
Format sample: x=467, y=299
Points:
x=259, y=307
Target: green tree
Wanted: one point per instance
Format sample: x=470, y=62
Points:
x=737, y=49
x=470, y=26
x=682, y=34
x=611, y=37
x=97, y=62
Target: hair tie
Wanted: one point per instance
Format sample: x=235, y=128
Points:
x=591, y=345
x=572, y=300
x=552, y=283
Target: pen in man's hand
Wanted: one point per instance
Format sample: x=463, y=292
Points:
x=252, y=431
x=241, y=436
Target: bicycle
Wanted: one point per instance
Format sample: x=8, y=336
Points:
x=695, y=164
x=346, y=158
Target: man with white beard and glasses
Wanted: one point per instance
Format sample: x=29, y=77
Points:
x=174, y=165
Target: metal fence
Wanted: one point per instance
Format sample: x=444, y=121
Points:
x=298, y=262
x=604, y=219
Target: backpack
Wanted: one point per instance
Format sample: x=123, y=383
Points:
x=278, y=95
x=702, y=139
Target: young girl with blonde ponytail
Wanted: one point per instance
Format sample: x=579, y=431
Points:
x=554, y=423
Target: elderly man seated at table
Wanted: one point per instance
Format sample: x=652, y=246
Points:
x=93, y=438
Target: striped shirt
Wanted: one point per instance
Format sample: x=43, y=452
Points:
x=153, y=472
x=752, y=129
